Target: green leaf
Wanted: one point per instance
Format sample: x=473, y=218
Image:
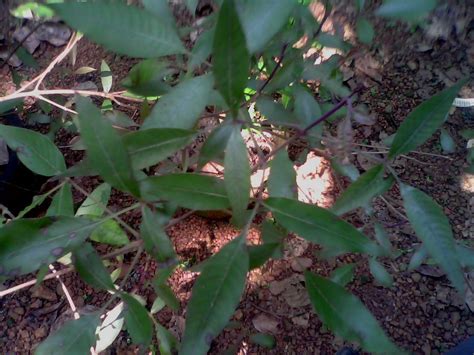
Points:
x=307, y=109
x=348, y=170
x=261, y=20
x=320, y=226
x=202, y=48
x=282, y=179
x=110, y=328
x=150, y=146
x=275, y=112
x=447, y=142
x=215, y=143
x=365, y=30
x=191, y=5
x=156, y=241
x=230, y=55
x=9, y=104
x=91, y=268
x=95, y=203
x=259, y=254
x=193, y=191
x=161, y=9
x=109, y=232
x=35, y=150
x=237, y=176
x=158, y=305
x=167, y=341
x=123, y=29
x=432, y=227
x=289, y=73
x=105, y=150
x=37, y=200
x=383, y=239
x=343, y=275
x=105, y=76
x=363, y=190
x=165, y=292
x=62, y=204
x=417, y=258
x=424, y=120
x=27, y=244
x=137, y=320
x=181, y=107
x=333, y=41
x=75, y=337
x=266, y=340
x=347, y=316
x=147, y=78
x=379, y=273
x=215, y=296
x=406, y=10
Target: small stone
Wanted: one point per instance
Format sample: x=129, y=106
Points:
x=426, y=349
x=455, y=317
x=388, y=109
x=412, y=65
x=44, y=293
x=19, y=310
x=238, y=314
x=302, y=320
x=24, y=334
x=36, y=304
x=470, y=330
x=417, y=321
x=416, y=277
x=301, y=264
x=40, y=333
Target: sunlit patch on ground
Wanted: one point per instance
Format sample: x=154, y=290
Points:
x=467, y=182
x=314, y=181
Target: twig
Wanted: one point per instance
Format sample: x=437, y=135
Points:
x=275, y=69
x=66, y=292
x=392, y=207
x=303, y=132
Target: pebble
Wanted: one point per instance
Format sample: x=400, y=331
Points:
x=44, y=293
x=416, y=277
x=426, y=349
x=40, y=332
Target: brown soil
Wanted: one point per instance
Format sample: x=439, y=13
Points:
x=421, y=313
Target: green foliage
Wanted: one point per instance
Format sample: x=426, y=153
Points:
x=75, y=337
x=432, y=227
x=91, y=268
x=363, y=190
x=320, y=226
x=26, y=244
x=110, y=23
x=231, y=57
x=35, y=150
x=215, y=296
x=137, y=321
x=424, y=120
x=345, y=314
x=243, y=77
x=237, y=175
x=106, y=152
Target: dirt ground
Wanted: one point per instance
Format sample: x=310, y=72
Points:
x=422, y=313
